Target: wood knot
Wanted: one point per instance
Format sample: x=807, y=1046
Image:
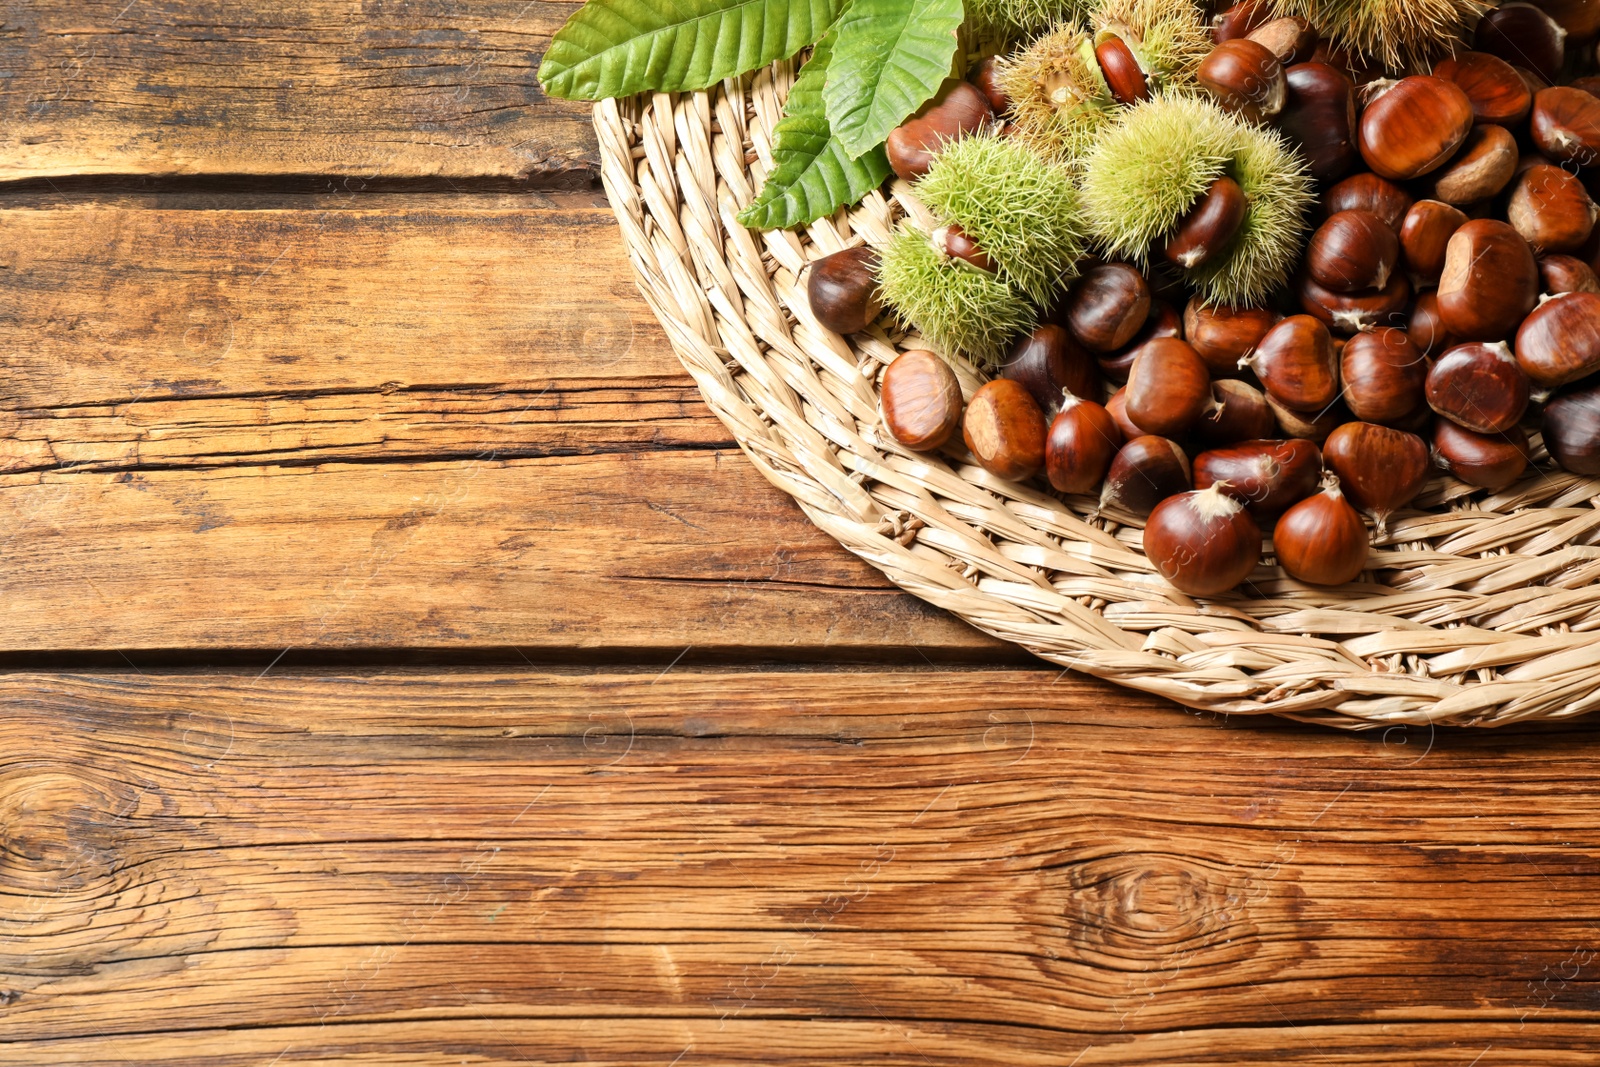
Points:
x=60, y=829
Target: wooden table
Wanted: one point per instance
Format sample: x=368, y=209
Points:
x=404, y=667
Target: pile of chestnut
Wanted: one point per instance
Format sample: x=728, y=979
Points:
x=1447, y=305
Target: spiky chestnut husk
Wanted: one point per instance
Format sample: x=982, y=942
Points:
x=1152, y=167
x=1019, y=207
x=1059, y=98
x=1012, y=20
x=1402, y=35
x=1166, y=37
x=955, y=307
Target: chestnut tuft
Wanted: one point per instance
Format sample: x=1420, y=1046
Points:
x=1350, y=313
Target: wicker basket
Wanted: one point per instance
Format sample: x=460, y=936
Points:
x=1475, y=611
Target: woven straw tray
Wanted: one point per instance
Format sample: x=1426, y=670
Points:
x=1474, y=611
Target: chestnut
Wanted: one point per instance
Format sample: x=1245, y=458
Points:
x=1121, y=70
x=1082, y=442
x=1296, y=363
x=1384, y=376
x=1567, y=274
x=1497, y=91
x=1485, y=165
x=956, y=110
x=1350, y=313
x=921, y=400
x=1319, y=118
x=1146, y=471
x=1521, y=33
x=1351, y=251
x=1265, y=476
x=1005, y=430
x=1117, y=408
x=1209, y=226
x=1425, y=234
x=1566, y=125
x=1488, y=461
x=1240, y=20
x=1107, y=306
x=1049, y=363
x=986, y=78
x=1168, y=388
x=1379, y=469
x=1203, y=542
x=1244, y=77
x=1368, y=192
x=1415, y=127
x=1551, y=209
x=1314, y=426
x=1291, y=38
x=1322, y=540
x=843, y=290
x=1238, y=412
x=1163, y=321
x=953, y=241
x=1223, y=334
x=1479, y=386
x=1426, y=329
x=1572, y=430
x=1490, y=281
x=1580, y=18
x=1560, y=341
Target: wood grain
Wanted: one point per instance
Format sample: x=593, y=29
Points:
x=957, y=867
x=385, y=425
x=360, y=91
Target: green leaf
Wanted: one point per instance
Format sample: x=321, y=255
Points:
x=890, y=58
x=811, y=174
x=616, y=48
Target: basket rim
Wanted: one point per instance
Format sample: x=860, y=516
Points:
x=1485, y=617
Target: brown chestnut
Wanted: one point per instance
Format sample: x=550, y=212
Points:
x=1168, y=388
x=1123, y=75
x=1490, y=281
x=1485, y=165
x=1352, y=251
x=1163, y=321
x=986, y=77
x=1209, y=226
x=1384, y=376
x=1005, y=430
x=954, y=243
x=1146, y=471
x=1292, y=39
x=843, y=290
x=1204, y=542
x=956, y=110
x=1551, y=209
x=1566, y=125
x=1296, y=363
x=1265, y=476
x=1567, y=274
x=1379, y=469
x=1572, y=431
x=1497, y=91
x=1240, y=20
x=1314, y=426
x=1560, y=341
x=1368, y=192
x=1426, y=329
x=1522, y=34
x=1580, y=18
x=1117, y=408
x=1479, y=386
x=1107, y=306
x=1082, y=442
x=1238, y=412
x=1424, y=236
x=1222, y=335
x=921, y=400
x=1488, y=461
x=1415, y=127
x=1322, y=540
x=1049, y=363
x=1350, y=313
x=1244, y=77
x=1319, y=118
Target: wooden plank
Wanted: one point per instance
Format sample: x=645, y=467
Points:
x=378, y=89
x=386, y=426
x=850, y=867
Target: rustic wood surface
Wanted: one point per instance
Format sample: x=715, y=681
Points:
x=320, y=346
